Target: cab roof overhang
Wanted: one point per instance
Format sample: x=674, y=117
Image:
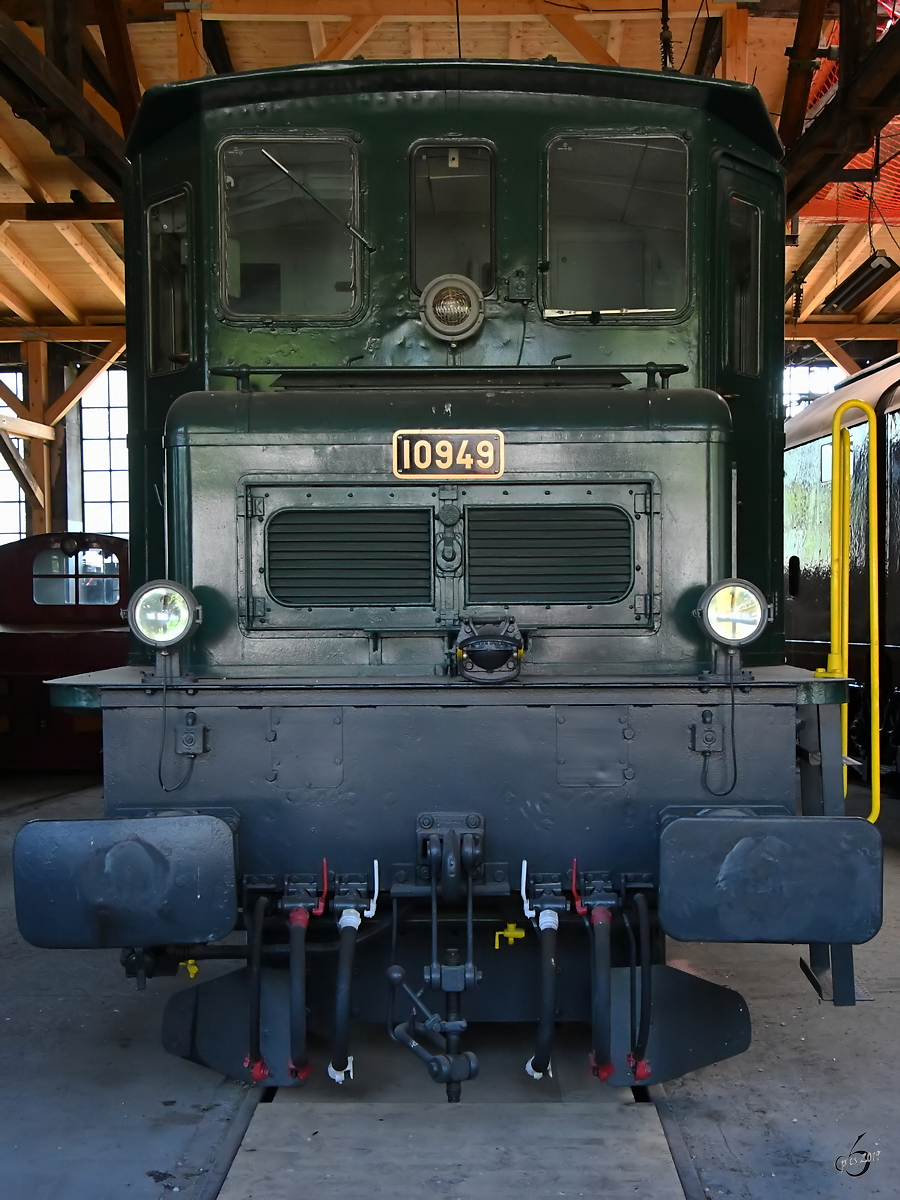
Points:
x=737, y=104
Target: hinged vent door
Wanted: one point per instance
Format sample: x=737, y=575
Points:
x=350, y=557
x=553, y=555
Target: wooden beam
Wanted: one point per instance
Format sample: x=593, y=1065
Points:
x=802, y=272
x=317, y=37
x=76, y=390
x=802, y=63
x=582, y=41
x=614, y=39
x=38, y=278
x=838, y=356
x=120, y=59
x=189, y=43
x=60, y=212
x=710, y=53
x=38, y=453
x=95, y=67
x=514, y=49
x=416, y=39
x=19, y=306
x=34, y=493
x=858, y=33
x=438, y=10
x=215, y=47
x=11, y=162
x=33, y=332
x=16, y=427
x=847, y=125
x=98, y=264
x=881, y=300
x=348, y=40
x=735, y=58
x=11, y=400
x=62, y=46
x=38, y=91
x=853, y=248
x=841, y=330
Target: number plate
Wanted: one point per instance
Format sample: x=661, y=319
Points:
x=448, y=453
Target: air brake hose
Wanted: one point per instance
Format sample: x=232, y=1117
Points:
x=643, y=1036
x=341, y=1065
x=255, y=1059
x=298, y=919
x=548, y=923
x=601, y=1003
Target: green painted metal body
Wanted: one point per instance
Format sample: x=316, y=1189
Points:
x=563, y=428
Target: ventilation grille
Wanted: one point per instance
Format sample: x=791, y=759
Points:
x=549, y=555
x=356, y=557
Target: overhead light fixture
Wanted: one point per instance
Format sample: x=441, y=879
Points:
x=861, y=284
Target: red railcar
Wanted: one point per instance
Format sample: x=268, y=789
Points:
x=62, y=597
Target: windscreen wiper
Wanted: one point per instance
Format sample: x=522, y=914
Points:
x=303, y=188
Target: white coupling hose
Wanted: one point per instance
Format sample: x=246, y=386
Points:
x=349, y=919
x=548, y=918
x=347, y=1073
x=538, y=1074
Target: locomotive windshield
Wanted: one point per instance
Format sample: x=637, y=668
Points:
x=287, y=250
x=452, y=209
x=617, y=225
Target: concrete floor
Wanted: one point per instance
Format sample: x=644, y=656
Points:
x=91, y=1107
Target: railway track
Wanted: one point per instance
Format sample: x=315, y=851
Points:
x=392, y=1133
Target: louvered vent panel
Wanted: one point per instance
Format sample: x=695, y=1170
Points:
x=549, y=555
x=354, y=557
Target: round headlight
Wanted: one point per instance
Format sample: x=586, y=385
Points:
x=452, y=307
x=163, y=614
x=733, y=612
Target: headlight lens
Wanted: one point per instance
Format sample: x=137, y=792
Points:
x=452, y=307
x=733, y=612
x=162, y=614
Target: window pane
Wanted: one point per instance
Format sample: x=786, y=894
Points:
x=452, y=216
x=98, y=590
x=118, y=456
x=97, y=517
x=743, y=286
x=118, y=422
x=287, y=253
x=169, y=251
x=617, y=223
x=96, y=487
x=95, y=455
x=95, y=423
x=53, y=562
x=54, y=591
x=119, y=520
x=97, y=562
x=118, y=486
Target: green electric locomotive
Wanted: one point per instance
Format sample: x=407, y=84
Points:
x=458, y=682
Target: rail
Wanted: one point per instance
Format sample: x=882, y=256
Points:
x=839, y=654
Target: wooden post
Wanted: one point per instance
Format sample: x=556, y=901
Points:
x=37, y=452
x=735, y=59
x=189, y=35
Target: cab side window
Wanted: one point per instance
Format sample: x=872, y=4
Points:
x=743, y=286
x=168, y=247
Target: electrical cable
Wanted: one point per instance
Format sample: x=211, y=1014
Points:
x=703, y=4
x=162, y=739
x=522, y=339
x=458, y=33
x=704, y=774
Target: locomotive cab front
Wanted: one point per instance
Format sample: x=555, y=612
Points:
x=460, y=684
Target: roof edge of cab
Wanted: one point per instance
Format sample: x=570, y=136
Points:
x=169, y=105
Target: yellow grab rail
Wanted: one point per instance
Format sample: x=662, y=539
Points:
x=839, y=655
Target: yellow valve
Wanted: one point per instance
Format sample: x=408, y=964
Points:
x=511, y=932
x=191, y=965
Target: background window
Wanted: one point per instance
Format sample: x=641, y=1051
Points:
x=12, y=502
x=617, y=225
x=104, y=454
x=743, y=286
x=452, y=214
x=169, y=251
x=286, y=251
x=88, y=577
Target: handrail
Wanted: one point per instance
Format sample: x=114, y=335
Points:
x=839, y=655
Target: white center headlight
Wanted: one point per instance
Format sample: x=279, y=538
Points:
x=163, y=614
x=733, y=612
x=452, y=307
